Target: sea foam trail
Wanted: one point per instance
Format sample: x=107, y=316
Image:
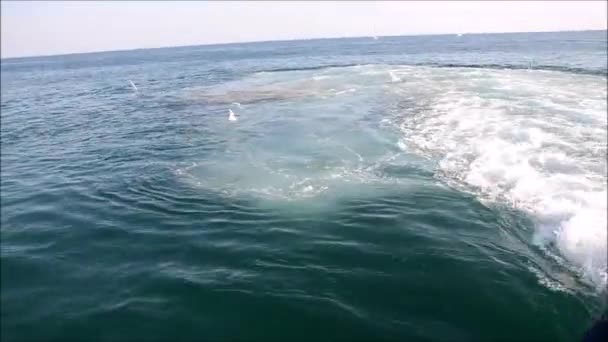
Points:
x=534, y=140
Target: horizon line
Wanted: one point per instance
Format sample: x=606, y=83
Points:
x=288, y=40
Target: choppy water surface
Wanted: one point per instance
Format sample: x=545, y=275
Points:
x=420, y=188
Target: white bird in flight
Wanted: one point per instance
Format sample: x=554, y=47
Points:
x=231, y=116
x=133, y=86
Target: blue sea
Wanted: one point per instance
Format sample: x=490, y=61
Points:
x=421, y=188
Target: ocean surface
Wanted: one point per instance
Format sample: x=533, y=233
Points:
x=427, y=188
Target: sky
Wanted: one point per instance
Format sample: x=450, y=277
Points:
x=54, y=27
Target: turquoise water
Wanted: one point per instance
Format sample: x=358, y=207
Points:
x=431, y=188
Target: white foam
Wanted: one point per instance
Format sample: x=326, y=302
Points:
x=394, y=77
x=541, y=147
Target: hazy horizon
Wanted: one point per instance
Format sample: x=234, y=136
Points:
x=39, y=29
x=287, y=40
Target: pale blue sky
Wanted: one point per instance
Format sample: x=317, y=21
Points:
x=52, y=27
